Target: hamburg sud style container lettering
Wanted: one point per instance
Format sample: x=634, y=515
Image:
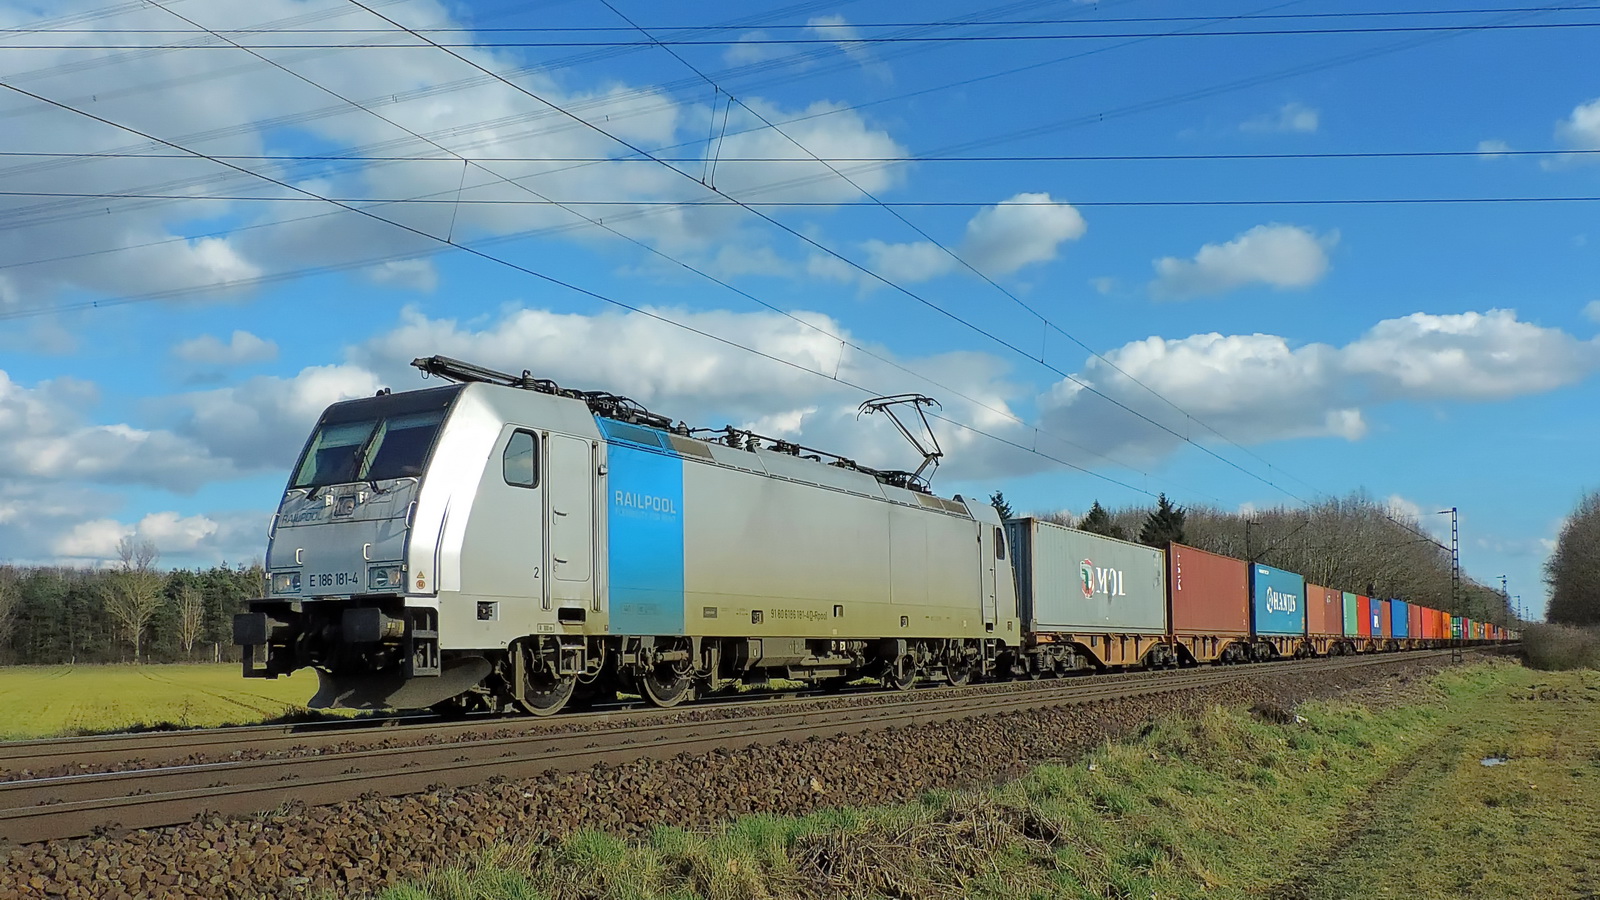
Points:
x=1096, y=594
x=1209, y=603
x=1278, y=602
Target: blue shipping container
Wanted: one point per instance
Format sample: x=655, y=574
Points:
x=1399, y=619
x=1278, y=601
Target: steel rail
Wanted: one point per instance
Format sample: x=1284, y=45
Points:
x=165, y=748
x=45, y=809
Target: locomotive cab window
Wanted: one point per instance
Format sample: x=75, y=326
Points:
x=521, y=460
x=369, y=450
x=999, y=543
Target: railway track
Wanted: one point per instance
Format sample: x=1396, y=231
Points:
x=329, y=765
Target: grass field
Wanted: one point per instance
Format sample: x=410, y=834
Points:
x=47, y=701
x=1349, y=802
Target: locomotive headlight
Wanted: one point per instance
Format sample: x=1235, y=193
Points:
x=387, y=578
x=286, y=582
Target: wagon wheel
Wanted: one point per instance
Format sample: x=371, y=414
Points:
x=959, y=671
x=538, y=689
x=901, y=673
x=665, y=686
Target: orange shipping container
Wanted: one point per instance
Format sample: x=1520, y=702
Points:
x=1324, y=611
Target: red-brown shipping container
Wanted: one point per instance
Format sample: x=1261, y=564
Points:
x=1414, y=621
x=1364, y=617
x=1207, y=593
x=1380, y=617
x=1324, y=611
x=1208, y=601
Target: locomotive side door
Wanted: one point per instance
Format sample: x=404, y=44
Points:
x=991, y=545
x=569, y=492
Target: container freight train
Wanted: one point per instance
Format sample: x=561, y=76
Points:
x=501, y=542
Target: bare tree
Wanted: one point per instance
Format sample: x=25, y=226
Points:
x=1573, y=570
x=133, y=595
x=191, y=618
x=137, y=554
x=9, y=597
x=132, y=600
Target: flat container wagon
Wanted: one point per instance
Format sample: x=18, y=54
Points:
x=1278, y=612
x=1208, y=598
x=1088, y=601
x=1352, y=616
x=1325, y=620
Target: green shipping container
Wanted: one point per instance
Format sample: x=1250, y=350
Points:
x=1351, y=615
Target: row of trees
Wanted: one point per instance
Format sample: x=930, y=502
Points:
x=132, y=612
x=1573, y=570
x=1350, y=544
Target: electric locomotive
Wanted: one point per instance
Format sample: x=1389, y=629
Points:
x=502, y=542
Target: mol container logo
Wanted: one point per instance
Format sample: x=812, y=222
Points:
x=1099, y=580
x=1279, y=601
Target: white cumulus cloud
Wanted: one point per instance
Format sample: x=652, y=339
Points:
x=1493, y=149
x=240, y=349
x=1276, y=255
x=1578, y=131
x=1292, y=117
x=847, y=38
x=1026, y=229
x=56, y=247
x=1478, y=356
x=1260, y=387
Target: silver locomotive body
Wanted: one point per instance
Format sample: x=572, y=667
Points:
x=505, y=542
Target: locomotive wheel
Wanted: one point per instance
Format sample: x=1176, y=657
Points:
x=958, y=673
x=902, y=673
x=539, y=691
x=664, y=686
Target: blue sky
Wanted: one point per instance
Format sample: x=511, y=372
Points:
x=163, y=356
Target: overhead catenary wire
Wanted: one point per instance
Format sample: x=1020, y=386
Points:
x=910, y=158
x=835, y=41
x=569, y=285
x=650, y=249
x=1090, y=388
x=964, y=263
x=812, y=204
x=780, y=26
x=1084, y=120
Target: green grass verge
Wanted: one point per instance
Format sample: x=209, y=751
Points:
x=1350, y=802
x=53, y=701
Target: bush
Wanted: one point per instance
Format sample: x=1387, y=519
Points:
x=1561, y=647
